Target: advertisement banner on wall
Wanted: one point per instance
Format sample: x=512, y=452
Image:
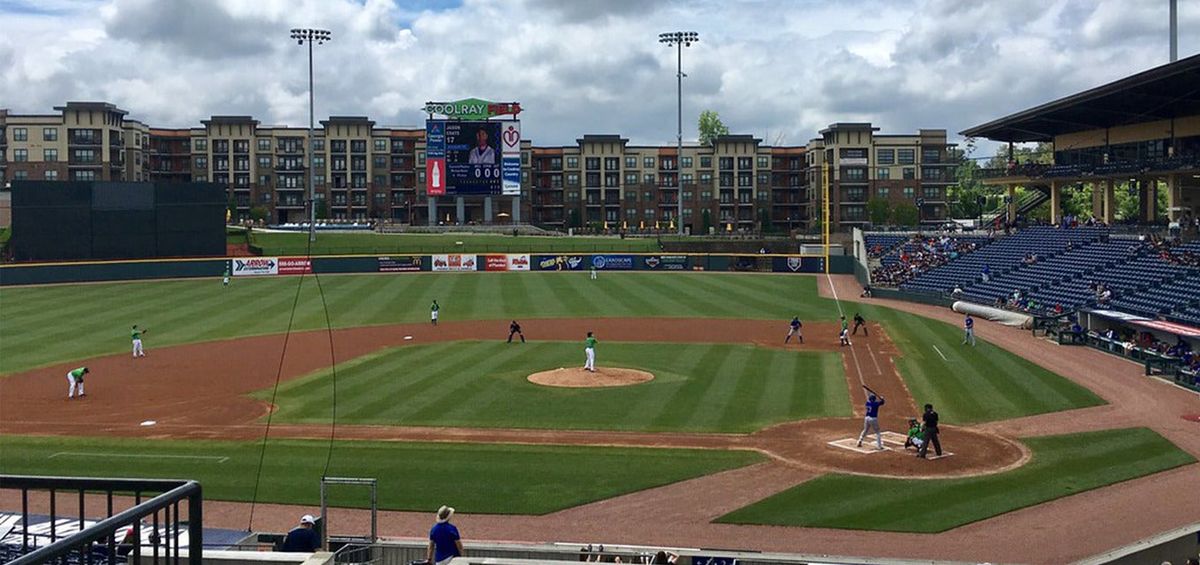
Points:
x=561, y=262
x=612, y=262
x=399, y=264
x=295, y=266
x=256, y=266
x=495, y=262
x=797, y=264
x=518, y=262
x=450, y=263
x=666, y=262
x=510, y=158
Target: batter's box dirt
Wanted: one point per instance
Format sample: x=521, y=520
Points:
x=852, y=445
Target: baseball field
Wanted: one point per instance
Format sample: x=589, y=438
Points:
x=448, y=414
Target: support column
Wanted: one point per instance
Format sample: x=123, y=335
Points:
x=487, y=210
x=1097, y=202
x=1174, y=198
x=1055, y=202
x=460, y=211
x=431, y=206
x=1110, y=202
x=1012, y=203
x=516, y=210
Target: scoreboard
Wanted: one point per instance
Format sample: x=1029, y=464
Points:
x=472, y=157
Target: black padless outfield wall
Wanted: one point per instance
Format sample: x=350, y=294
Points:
x=97, y=271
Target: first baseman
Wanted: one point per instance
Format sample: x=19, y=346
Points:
x=75, y=377
x=589, y=352
x=136, y=335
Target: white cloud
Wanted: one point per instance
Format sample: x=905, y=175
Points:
x=783, y=68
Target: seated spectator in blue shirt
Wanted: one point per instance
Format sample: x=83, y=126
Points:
x=302, y=538
x=444, y=541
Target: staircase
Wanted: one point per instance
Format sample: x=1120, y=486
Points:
x=1026, y=204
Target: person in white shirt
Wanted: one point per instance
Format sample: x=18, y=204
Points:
x=481, y=154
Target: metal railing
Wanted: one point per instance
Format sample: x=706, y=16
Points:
x=97, y=543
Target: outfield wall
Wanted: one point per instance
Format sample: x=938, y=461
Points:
x=103, y=271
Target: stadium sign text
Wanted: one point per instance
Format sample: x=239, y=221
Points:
x=472, y=109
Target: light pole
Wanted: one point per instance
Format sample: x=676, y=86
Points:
x=679, y=40
x=302, y=36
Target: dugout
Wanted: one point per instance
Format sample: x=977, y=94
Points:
x=56, y=221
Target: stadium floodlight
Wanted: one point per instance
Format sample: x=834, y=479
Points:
x=302, y=36
x=679, y=40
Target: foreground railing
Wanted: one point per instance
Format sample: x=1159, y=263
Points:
x=98, y=542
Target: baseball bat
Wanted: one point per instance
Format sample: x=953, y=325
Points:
x=869, y=390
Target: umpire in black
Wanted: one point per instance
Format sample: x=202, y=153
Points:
x=931, y=432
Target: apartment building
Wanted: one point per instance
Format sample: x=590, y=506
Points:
x=860, y=164
x=83, y=141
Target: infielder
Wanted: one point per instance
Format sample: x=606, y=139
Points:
x=433, y=313
x=515, y=328
x=794, y=330
x=871, y=420
x=844, y=335
x=969, y=330
x=593, y=272
x=589, y=352
x=136, y=335
x=75, y=377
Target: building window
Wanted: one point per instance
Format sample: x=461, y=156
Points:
x=20, y=155
x=264, y=144
x=200, y=145
x=744, y=163
x=572, y=197
x=885, y=156
x=687, y=196
x=726, y=180
x=201, y=162
x=22, y=175
x=318, y=144
x=380, y=161
x=648, y=178
x=50, y=155
x=381, y=145
x=906, y=156
x=931, y=156
x=910, y=173
x=593, y=163
x=685, y=178
x=264, y=181
x=572, y=162
x=631, y=178
x=264, y=162
x=612, y=179
x=631, y=213
x=572, y=179
x=908, y=192
x=725, y=163
x=706, y=178
x=685, y=162
x=883, y=173
x=592, y=180
x=50, y=134
x=612, y=163
x=241, y=146
x=381, y=181
x=51, y=175
x=20, y=134
x=201, y=178
x=706, y=162
x=854, y=174
x=882, y=191
x=631, y=195
x=85, y=175
x=932, y=192
x=931, y=173
x=421, y=159
x=648, y=162
x=358, y=146
x=764, y=179
x=762, y=162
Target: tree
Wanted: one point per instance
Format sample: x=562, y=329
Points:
x=322, y=211
x=259, y=213
x=706, y=218
x=711, y=127
x=905, y=214
x=878, y=210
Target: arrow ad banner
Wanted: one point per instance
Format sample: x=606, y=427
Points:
x=256, y=266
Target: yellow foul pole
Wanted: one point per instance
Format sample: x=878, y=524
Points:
x=825, y=212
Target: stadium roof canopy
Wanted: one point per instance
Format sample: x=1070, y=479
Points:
x=1161, y=93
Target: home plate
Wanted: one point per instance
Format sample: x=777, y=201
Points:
x=148, y=423
x=851, y=444
x=407, y=337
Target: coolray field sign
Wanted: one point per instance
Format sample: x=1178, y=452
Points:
x=472, y=109
x=256, y=266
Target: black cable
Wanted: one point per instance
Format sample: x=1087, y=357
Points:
x=333, y=371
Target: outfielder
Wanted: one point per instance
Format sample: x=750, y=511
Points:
x=593, y=272
x=225, y=281
x=433, y=313
x=969, y=330
x=75, y=377
x=871, y=420
x=589, y=352
x=136, y=335
x=794, y=330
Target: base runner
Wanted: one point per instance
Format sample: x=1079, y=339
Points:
x=589, y=352
x=75, y=377
x=794, y=330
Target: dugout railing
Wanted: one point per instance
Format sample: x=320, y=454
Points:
x=120, y=536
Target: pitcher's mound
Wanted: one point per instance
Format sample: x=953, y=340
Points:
x=575, y=377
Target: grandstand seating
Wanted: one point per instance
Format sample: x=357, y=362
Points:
x=884, y=242
x=1041, y=279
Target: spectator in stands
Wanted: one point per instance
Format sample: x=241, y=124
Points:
x=444, y=542
x=665, y=558
x=866, y=293
x=987, y=273
x=302, y=538
x=1105, y=296
x=957, y=292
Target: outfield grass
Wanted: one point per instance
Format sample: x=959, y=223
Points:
x=53, y=324
x=498, y=479
x=375, y=243
x=972, y=384
x=697, y=387
x=1061, y=466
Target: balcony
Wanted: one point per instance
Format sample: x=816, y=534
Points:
x=290, y=168
x=84, y=140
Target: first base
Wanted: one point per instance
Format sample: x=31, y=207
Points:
x=407, y=337
x=148, y=423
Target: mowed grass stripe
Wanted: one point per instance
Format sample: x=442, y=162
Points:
x=699, y=387
x=1061, y=466
x=499, y=479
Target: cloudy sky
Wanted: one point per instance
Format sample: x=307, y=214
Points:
x=779, y=69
